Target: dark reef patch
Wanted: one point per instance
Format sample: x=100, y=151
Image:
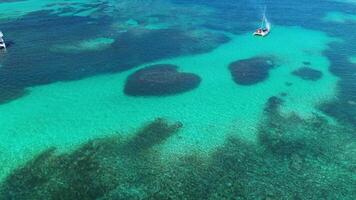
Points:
x=8, y=93
x=344, y=111
x=288, y=84
x=293, y=159
x=92, y=170
x=283, y=94
x=341, y=66
x=307, y=73
x=158, y=80
x=153, y=134
x=273, y=104
x=250, y=71
x=306, y=63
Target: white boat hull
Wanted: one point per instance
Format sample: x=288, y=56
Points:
x=263, y=33
x=2, y=44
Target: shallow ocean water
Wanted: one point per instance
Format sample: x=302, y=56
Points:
x=339, y=17
x=62, y=81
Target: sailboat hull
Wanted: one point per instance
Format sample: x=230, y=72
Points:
x=262, y=33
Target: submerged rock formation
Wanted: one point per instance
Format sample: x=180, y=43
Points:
x=292, y=159
x=306, y=63
x=307, y=73
x=250, y=71
x=152, y=134
x=92, y=170
x=159, y=80
x=288, y=84
x=273, y=104
x=9, y=93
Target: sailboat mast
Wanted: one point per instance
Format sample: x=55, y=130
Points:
x=263, y=22
x=263, y=18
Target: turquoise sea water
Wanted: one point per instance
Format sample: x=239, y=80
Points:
x=62, y=87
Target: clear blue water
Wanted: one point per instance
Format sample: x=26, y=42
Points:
x=175, y=99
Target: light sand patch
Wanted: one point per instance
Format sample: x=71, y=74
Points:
x=339, y=17
x=353, y=59
x=96, y=44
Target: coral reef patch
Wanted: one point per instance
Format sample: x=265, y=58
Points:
x=9, y=93
x=307, y=73
x=292, y=159
x=250, y=71
x=306, y=63
x=158, y=80
x=92, y=170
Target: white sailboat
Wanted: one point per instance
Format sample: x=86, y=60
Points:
x=264, y=29
x=2, y=42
